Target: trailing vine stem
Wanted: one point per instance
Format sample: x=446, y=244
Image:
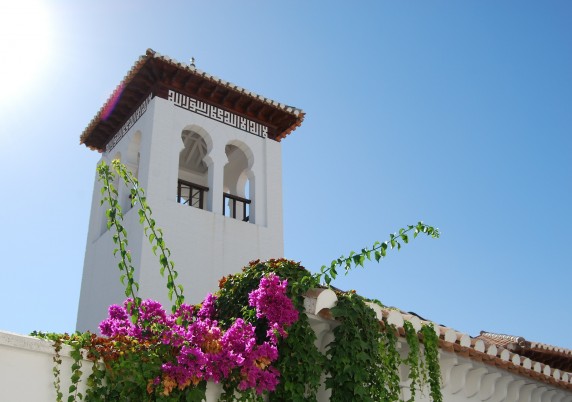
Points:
x=153, y=233
x=75, y=379
x=58, y=340
x=57, y=359
x=114, y=218
x=379, y=250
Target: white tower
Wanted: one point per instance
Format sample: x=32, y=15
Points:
x=208, y=154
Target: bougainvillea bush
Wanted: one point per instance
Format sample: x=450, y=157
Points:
x=189, y=347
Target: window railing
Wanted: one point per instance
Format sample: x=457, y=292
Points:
x=191, y=194
x=239, y=208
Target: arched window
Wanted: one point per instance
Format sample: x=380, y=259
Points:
x=192, y=185
x=238, y=186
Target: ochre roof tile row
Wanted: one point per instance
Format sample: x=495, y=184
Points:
x=491, y=349
x=556, y=357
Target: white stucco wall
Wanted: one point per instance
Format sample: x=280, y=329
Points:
x=205, y=245
x=26, y=365
x=26, y=374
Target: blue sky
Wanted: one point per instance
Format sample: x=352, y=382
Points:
x=454, y=113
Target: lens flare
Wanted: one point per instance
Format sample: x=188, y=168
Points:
x=112, y=102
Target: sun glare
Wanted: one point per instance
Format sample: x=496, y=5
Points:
x=25, y=42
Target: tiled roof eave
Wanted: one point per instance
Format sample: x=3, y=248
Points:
x=98, y=131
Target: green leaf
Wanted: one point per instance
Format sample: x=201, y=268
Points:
x=356, y=259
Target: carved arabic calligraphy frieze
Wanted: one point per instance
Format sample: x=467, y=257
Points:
x=218, y=114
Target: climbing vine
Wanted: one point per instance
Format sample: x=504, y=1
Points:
x=363, y=360
x=431, y=342
x=388, y=372
x=413, y=360
x=354, y=356
x=114, y=220
x=252, y=335
x=153, y=233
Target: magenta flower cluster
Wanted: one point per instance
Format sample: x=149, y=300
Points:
x=272, y=303
x=198, y=349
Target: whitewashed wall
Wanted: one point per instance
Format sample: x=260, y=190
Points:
x=26, y=365
x=205, y=245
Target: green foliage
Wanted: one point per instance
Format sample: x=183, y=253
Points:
x=153, y=233
x=388, y=372
x=363, y=360
x=57, y=359
x=114, y=220
x=76, y=356
x=300, y=364
x=77, y=342
x=354, y=356
x=413, y=360
x=96, y=386
x=431, y=342
x=361, y=364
